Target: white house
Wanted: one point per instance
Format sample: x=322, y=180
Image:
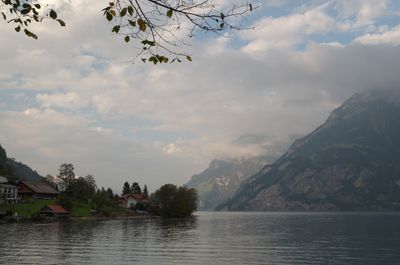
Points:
x=8, y=192
x=130, y=200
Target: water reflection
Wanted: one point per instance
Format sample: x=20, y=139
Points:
x=217, y=238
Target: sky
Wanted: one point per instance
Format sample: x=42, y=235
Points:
x=74, y=96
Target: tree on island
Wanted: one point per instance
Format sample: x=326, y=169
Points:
x=126, y=189
x=66, y=173
x=153, y=26
x=172, y=201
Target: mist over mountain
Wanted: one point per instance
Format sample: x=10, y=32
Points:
x=14, y=170
x=351, y=162
x=222, y=178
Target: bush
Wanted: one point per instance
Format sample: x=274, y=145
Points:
x=172, y=201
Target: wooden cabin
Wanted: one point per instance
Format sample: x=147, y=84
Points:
x=36, y=190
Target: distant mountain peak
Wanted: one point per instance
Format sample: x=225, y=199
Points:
x=352, y=161
x=221, y=179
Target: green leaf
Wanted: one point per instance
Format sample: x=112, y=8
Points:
x=132, y=23
x=4, y=15
x=109, y=16
x=169, y=13
x=116, y=29
x=38, y=6
x=123, y=11
x=148, y=42
x=113, y=13
x=25, y=11
x=189, y=58
x=153, y=59
x=26, y=5
x=53, y=14
x=130, y=10
x=17, y=29
x=30, y=34
x=62, y=23
x=142, y=24
x=127, y=39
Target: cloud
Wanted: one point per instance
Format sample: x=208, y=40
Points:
x=286, y=31
x=357, y=14
x=391, y=37
x=245, y=95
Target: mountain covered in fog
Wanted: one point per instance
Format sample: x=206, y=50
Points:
x=14, y=170
x=222, y=178
x=351, y=162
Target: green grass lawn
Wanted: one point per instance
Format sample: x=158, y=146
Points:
x=27, y=209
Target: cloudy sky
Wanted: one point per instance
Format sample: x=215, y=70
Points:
x=73, y=96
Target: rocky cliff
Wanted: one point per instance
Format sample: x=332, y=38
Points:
x=351, y=162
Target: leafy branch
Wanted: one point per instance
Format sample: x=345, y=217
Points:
x=157, y=28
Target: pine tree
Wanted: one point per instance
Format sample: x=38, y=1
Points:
x=136, y=188
x=126, y=188
x=145, y=192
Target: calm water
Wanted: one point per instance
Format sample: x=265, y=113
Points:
x=210, y=238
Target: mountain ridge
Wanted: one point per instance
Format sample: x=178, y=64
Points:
x=14, y=170
x=350, y=162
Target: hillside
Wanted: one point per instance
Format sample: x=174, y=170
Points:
x=351, y=162
x=14, y=170
x=222, y=178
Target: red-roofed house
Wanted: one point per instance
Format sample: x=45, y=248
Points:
x=130, y=200
x=54, y=211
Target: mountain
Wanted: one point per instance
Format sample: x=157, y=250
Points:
x=351, y=162
x=14, y=170
x=222, y=178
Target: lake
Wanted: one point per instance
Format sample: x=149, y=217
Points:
x=209, y=238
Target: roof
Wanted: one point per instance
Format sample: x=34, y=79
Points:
x=138, y=197
x=3, y=179
x=56, y=209
x=7, y=186
x=40, y=187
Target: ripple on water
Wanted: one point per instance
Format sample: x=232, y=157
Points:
x=210, y=238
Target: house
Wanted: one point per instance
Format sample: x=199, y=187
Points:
x=131, y=200
x=55, y=211
x=3, y=180
x=36, y=190
x=8, y=192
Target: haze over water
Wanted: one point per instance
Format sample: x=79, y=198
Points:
x=210, y=238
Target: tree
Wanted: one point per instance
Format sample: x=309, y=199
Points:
x=66, y=173
x=171, y=201
x=145, y=192
x=126, y=189
x=135, y=189
x=110, y=193
x=91, y=181
x=50, y=180
x=152, y=24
